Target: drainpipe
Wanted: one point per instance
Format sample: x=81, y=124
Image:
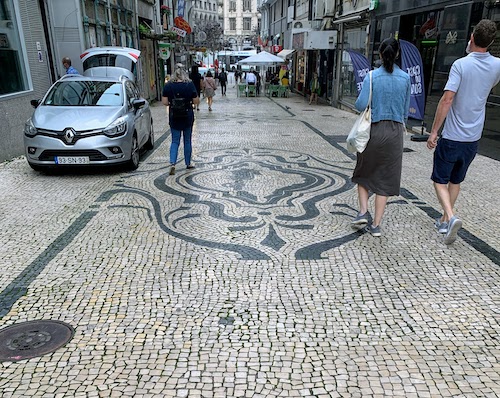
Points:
x=338, y=66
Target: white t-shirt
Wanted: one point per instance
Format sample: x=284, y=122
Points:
x=251, y=78
x=471, y=79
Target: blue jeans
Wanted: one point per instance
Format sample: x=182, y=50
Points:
x=176, y=140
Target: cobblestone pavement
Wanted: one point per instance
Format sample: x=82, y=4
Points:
x=242, y=277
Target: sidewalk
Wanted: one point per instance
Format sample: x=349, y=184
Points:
x=242, y=277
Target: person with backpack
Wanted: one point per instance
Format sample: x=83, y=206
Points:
x=223, y=81
x=180, y=94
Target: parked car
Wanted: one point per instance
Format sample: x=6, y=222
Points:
x=99, y=119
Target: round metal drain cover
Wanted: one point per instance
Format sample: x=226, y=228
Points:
x=33, y=339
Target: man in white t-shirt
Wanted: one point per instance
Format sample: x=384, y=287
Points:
x=251, y=78
x=463, y=105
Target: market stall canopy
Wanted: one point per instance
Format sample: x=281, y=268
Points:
x=262, y=58
x=285, y=53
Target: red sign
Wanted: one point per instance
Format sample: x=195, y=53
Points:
x=276, y=49
x=181, y=23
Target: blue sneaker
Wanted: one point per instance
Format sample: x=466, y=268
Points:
x=361, y=219
x=453, y=226
x=375, y=231
x=441, y=226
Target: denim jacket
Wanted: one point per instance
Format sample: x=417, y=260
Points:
x=390, y=95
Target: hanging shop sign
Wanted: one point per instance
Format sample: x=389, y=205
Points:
x=276, y=48
x=180, y=32
x=181, y=23
x=181, y=5
x=165, y=50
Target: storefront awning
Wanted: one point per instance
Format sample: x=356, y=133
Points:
x=285, y=53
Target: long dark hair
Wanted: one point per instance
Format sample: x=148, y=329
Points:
x=389, y=50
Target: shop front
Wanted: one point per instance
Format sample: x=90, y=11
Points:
x=299, y=64
x=440, y=30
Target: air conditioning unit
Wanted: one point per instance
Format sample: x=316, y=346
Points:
x=306, y=25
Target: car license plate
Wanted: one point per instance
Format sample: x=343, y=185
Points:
x=72, y=160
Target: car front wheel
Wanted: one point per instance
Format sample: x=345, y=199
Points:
x=133, y=163
x=37, y=167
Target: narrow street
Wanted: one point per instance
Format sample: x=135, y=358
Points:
x=243, y=277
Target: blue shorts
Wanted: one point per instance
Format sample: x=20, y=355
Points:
x=452, y=160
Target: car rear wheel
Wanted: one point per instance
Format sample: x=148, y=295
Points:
x=133, y=163
x=150, y=144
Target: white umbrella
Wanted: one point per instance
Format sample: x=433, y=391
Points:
x=262, y=58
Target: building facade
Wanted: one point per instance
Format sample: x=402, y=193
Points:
x=241, y=24
x=25, y=71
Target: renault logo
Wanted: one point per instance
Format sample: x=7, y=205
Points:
x=69, y=135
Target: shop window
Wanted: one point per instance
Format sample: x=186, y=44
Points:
x=13, y=76
x=356, y=39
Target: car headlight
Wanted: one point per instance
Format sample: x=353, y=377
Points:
x=29, y=128
x=118, y=127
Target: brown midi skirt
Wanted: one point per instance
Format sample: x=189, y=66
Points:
x=378, y=168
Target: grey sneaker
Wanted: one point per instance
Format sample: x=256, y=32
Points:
x=375, y=231
x=361, y=219
x=453, y=226
x=441, y=226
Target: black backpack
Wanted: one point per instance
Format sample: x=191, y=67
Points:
x=179, y=107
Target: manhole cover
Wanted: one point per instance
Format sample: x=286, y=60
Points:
x=33, y=339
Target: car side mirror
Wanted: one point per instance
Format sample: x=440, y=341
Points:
x=35, y=103
x=138, y=103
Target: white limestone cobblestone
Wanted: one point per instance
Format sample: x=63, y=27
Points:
x=158, y=312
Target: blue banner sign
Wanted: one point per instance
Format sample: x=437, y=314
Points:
x=411, y=63
x=181, y=5
x=361, y=67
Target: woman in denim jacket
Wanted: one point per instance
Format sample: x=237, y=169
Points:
x=378, y=168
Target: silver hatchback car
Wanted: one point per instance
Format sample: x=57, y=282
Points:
x=89, y=120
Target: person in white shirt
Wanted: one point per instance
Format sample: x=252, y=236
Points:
x=251, y=78
x=463, y=105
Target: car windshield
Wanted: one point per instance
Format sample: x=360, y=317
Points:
x=85, y=93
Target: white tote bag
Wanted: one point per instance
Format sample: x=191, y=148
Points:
x=360, y=133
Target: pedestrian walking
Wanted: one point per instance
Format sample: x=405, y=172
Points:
x=209, y=87
x=223, y=81
x=315, y=89
x=237, y=77
x=463, y=105
x=179, y=94
x=195, y=77
x=66, y=61
x=378, y=168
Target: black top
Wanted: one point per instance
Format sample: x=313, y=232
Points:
x=180, y=90
x=196, y=79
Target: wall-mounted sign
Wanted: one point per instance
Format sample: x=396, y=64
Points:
x=451, y=37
